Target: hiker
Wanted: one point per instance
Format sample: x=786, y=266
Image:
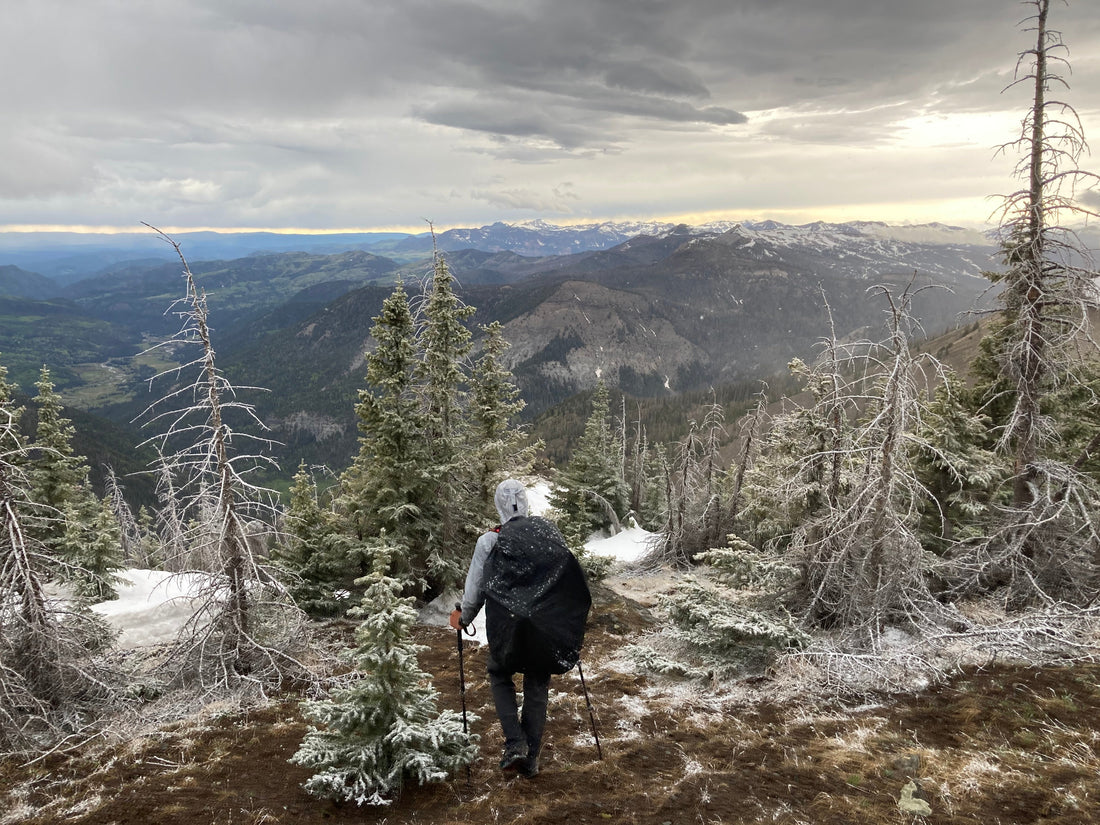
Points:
x=535, y=611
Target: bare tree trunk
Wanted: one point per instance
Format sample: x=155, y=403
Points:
x=224, y=646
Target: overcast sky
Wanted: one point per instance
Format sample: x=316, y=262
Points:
x=337, y=114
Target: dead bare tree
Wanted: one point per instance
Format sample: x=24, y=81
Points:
x=1044, y=546
x=751, y=426
x=835, y=495
x=697, y=496
x=130, y=535
x=52, y=683
x=865, y=567
x=170, y=527
x=1049, y=280
x=247, y=632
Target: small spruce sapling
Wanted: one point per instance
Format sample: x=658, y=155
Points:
x=383, y=729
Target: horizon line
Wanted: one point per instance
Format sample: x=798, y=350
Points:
x=691, y=220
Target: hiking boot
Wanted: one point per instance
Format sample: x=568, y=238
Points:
x=530, y=768
x=513, y=761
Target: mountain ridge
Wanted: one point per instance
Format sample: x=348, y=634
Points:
x=657, y=314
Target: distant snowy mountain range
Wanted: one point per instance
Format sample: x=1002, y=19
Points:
x=541, y=238
x=66, y=257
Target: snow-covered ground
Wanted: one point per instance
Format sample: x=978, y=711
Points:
x=153, y=605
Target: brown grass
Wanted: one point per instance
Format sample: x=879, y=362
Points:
x=1000, y=745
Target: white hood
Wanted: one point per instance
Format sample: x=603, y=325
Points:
x=510, y=499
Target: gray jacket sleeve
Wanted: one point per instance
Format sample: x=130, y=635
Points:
x=472, y=596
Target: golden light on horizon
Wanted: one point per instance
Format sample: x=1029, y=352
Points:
x=85, y=229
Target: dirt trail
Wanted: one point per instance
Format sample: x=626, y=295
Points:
x=998, y=746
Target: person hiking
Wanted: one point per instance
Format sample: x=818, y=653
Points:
x=536, y=604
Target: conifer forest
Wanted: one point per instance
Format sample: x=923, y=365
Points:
x=869, y=591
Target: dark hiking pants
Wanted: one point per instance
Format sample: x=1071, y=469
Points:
x=522, y=729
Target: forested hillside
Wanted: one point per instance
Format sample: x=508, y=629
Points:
x=680, y=311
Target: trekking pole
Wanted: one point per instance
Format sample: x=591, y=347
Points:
x=462, y=688
x=591, y=714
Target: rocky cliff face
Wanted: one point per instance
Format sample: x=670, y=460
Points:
x=715, y=308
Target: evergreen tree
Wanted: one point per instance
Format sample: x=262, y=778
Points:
x=387, y=485
x=955, y=465
x=590, y=492
x=322, y=561
x=798, y=470
x=434, y=436
x=67, y=514
x=444, y=343
x=731, y=623
x=149, y=553
x=382, y=730
x=58, y=476
x=501, y=447
x=92, y=544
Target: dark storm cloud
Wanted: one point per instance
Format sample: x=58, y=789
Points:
x=253, y=101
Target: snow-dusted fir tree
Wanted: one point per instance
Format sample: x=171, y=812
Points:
x=58, y=478
x=1046, y=544
x=58, y=472
x=444, y=376
x=798, y=470
x=955, y=464
x=382, y=730
x=590, y=491
x=247, y=632
x=500, y=448
x=149, y=554
x=92, y=543
x=322, y=561
x=387, y=485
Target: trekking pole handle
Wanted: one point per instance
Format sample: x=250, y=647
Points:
x=469, y=629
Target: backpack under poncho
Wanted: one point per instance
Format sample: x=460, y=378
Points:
x=536, y=599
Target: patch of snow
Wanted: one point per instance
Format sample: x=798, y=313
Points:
x=152, y=605
x=628, y=546
x=538, y=498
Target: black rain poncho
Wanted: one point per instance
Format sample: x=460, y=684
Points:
x=536, y=599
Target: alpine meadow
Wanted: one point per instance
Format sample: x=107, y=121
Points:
x=834, y=488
